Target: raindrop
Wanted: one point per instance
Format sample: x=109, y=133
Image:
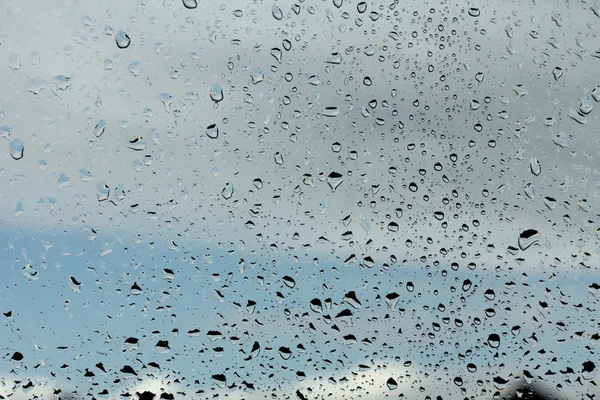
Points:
x=190, y=4
x=137, y=144
x=122, y=39
x=277, y=13
x=535, y=166
x=557, y=72
x=102, y=191
x=334, y=180
x=278, y=158
x=100, y=127
x=216, y=93
x=331, y=112
x=16, y=149
x=277, y=54
x=227, y=191
x=212, y=131
x=494, y=340
x=392, y=384
x=361, y=7
x=527, y=238
x=289, y=281
x=474, y=12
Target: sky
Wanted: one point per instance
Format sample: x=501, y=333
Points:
x=367, y=191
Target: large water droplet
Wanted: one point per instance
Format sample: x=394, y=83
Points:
x=528, y=237
x=331, y=112
x=494, y=340
x=277, y=54
x=122, y=39
x=190, y=4
x=277, y=13
x=102, y=191
x=334, y=180
x=257, y=75
x=16, y=149
x=278, y=158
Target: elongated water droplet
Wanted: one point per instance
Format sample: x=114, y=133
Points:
x=535, y=166
x=100, y=127
x=216, y=93
x=122, y=39
x=16, y=149
x=331, y=112
x=277, y=13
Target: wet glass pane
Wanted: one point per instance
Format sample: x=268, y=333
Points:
x=299, y=199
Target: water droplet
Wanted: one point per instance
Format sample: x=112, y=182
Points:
x=336, y=147
x=257, y=75
x=216, y=93
x=166, y=99
x=474, y=12
x=489, y=294
x=494, y=340
x=227, y=191
x=528, y=237
x=550, y=202
x=392, y=384
x=277, y=13
x=190, y=4
x=137, y=144
x=278, y=158
x=16, y=149
x=314, y=80
x=334, y=58
x=212, y=131
x=86, y=175
x=586, y=106
x=289, y=281
x=102, y=191
x=361, y=7
x=535, y=166
x=557, y=72
x=596, y=93
x=122, y=39
x=331, y=112
x=561, y=139
x=277, y=54
x=100, y=127
x=334, y=180
x=529, y=191
x=135, y=68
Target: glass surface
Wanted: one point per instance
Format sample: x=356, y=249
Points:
x=299, y=199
